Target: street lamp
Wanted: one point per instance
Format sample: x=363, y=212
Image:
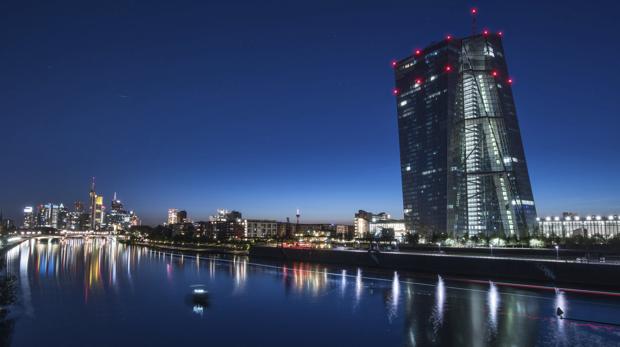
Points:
x=557, y=252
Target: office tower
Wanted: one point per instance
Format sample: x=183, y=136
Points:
x=182, y=216
x=172, y=216
x=96, y=208
x=50, y=216
x=462, y=160
x=29, y=218
x=118, y=218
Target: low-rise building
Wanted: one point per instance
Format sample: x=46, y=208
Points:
x=260, y=228
x=394, y=226
x=570, y=225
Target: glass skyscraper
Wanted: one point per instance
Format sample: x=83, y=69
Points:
x=462, y=160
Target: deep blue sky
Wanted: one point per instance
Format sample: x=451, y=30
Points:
x=267, y=106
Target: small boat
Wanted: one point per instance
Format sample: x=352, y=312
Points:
x=200, y=291
x=199, y=296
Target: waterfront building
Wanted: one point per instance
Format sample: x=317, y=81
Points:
x=462, y=160
x=172, y=216
x=226, y=225
x=395, y=227
x=344, y=231
x=362, y=220
x=570, y=225
x=360, y=223
x=260, y=228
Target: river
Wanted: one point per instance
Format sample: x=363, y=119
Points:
x=99, y=292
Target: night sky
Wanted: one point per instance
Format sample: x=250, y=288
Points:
x=269, y=106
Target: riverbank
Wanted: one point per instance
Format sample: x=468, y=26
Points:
x=482, y=267
x=221, y=249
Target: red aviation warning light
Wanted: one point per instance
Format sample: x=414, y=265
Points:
x=500, y=33
x=395, y=91
x=418, y=52
x=448, y=68
x=474, y=13
x=494, y=73
x=393, y=63
x=448, y=37
x=485, y=32
x=418, y=81
x=509, y=81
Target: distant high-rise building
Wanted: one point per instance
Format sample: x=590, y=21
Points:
x=182, y=216
x=29, y=218
x=78, y=206
x=118, y=218
x=462, y=161
x=51, y=216
x=78, y=219
x=172, y=216
x=96, y=208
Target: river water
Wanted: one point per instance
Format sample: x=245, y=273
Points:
x=99, y=292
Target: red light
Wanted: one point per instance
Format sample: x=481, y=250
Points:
x=486, y=32
x=510, y=81
x=418, y=52
x=474, y=11
x=500, y=33
x=494, y=73
x=395, y=91
x=448, y=68
x=418, y=81
x=393, y=63
x=449, y=37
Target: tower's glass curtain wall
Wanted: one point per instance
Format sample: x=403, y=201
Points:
x=462, y=160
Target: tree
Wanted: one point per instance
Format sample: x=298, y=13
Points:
x=387, y=234
x=412, y=238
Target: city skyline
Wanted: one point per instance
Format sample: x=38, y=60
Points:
x=170, y=152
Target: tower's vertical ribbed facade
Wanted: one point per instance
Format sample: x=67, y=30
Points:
x=462, y=160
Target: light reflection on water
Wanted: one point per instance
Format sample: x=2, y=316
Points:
x=109, y=283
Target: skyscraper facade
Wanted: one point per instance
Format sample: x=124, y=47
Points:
x=462, y=160
x=96, y=208
x=172, y=216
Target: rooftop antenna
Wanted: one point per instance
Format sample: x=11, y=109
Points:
x=474, y=14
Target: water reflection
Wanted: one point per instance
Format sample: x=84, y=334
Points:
x=493, y=305
x=424, y=312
